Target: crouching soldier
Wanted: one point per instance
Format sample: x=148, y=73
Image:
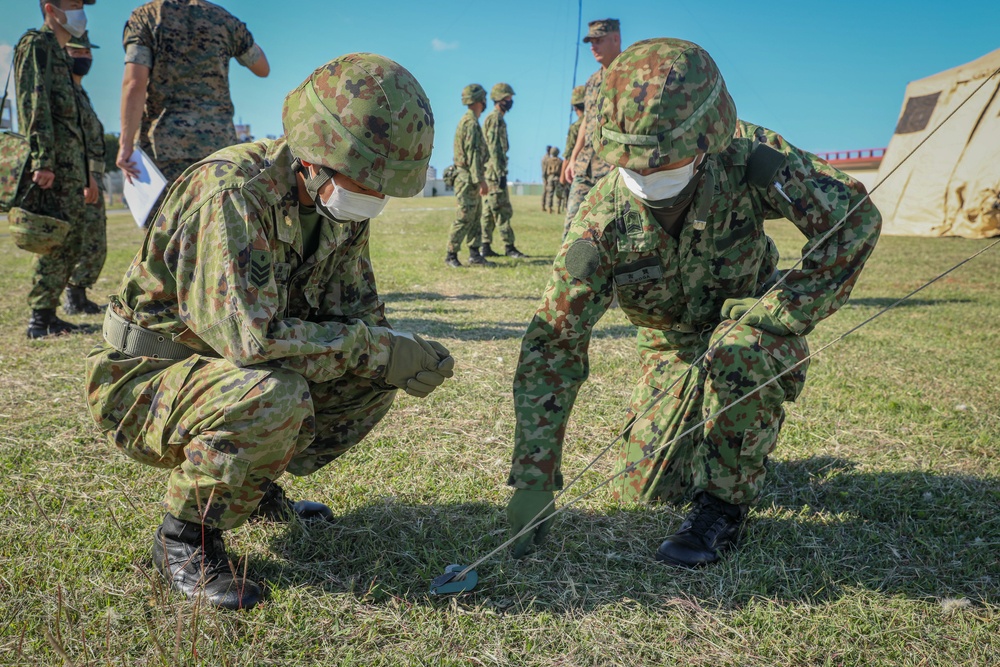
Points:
x=247, y=338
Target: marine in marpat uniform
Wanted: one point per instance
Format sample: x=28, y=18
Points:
x=584, y=166
x=677, y=230
x=497, y=210
x=56, y=181
x=175, y=89
x=470, y=180
x=551, y=168
x=94, y=235
x=247, y=338
x=577, y=102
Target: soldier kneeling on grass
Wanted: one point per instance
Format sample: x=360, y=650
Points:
x=677, y=232
x=247, y=338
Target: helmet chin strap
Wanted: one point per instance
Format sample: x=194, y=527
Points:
x=313, y=182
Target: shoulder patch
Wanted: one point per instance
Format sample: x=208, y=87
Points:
x=260, y=268
x=582, y=258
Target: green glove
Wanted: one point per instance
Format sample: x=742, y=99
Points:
x=522, y=509
x=760, y=317
x=416, y=366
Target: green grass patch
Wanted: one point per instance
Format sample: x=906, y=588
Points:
x=875, y=542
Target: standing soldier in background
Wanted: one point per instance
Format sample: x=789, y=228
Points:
x=94, y=235
x=576, y=100
x=470, y=179
x=56, y=182
x=175, y=90
x=497, y=210
x=583, y=167
x=551, y=168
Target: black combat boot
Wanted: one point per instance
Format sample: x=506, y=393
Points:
x=451, y=259
x=44, y=323
x=711, y=528
x=487, y=251
x=75, y=302
x=476, y=259
x=193, y=559
x=511, y=251
x=276, y=506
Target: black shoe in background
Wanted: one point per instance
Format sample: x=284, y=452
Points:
x=43, y=323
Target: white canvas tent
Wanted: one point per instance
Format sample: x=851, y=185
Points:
x=951, y=185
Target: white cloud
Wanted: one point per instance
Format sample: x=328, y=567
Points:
x=441, y=45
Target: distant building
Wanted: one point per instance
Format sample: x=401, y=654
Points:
x=7, y=114
x=243, y=133
x=861, y=163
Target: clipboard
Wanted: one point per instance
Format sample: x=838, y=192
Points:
x=145, y=189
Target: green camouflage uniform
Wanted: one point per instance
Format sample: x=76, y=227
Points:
x=588, y=168
x=470, y=161
x=50, y=117
x=551, y=166
x=672, y=288
x=497, y=210
x=286, y=371
x=187, y=44
x=94, y=242
x=562, y=193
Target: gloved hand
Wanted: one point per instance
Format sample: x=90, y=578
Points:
x=523, y=506
x=760, y=317
x=416, y=366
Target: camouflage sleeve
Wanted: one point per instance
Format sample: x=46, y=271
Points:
x=821, y=196
x=240, y=40
x=93, y=131
x=34, y=112
x=574, y=130
x=138, y=40
x=553, y=361
x=475, y=152
x=230, y=299
x=492, y=141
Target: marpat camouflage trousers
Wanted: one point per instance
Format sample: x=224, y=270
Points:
x=93, y=245
x=497, y=212
x=226, y=432
x=549, y=194
x=727, y=455
x=468, y=203
x=578, y=190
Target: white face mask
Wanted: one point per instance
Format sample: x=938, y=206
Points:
x=75, y=22
x=352, y=206
x=660, y=184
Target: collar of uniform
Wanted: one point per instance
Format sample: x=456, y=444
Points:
x=281, y=188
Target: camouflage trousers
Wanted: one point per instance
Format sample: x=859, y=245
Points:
x=497, y=212
x=468, y=203
x=578, y=190
x=562, y=191
x=93, y=245
x=549, y=194
x=226, y=432
x=50, y=273
x=726, y=456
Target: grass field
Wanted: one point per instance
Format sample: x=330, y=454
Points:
x=875, y=542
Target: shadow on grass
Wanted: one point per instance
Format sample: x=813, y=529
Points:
x=822, y=530
x=884, y=302
x=489, y=330
x=402, y=297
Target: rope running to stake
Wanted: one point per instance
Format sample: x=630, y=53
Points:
x=631, y=467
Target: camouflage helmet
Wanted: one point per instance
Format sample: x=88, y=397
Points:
x=366, y=117
x=578, y=96
x=554, y=151
x=34, y=232
x=662, y=100
x=473, y=93
x=500, y=91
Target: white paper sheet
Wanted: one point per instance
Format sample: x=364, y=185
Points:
x=145, y=189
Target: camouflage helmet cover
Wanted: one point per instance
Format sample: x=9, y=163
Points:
x=662, y=100
x=578, y=96
x=554, y=151
x=500, y=91
x=364, y=116
x=473, y=93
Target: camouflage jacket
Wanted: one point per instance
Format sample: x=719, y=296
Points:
x=587, y=164
x=222, y=272
x=94, y=131
x=551, y=166
x=574, y=130
x=187, y=44
x=680, y=284
x=47, y=108
x=495, y=133
x=470, y=147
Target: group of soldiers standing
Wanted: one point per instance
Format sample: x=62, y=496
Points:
x=481, y=174
x=556, y=188
x=176, y=108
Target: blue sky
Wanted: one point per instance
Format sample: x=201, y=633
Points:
x=829, y=76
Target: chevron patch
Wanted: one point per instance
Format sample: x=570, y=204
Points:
x=260, y=268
